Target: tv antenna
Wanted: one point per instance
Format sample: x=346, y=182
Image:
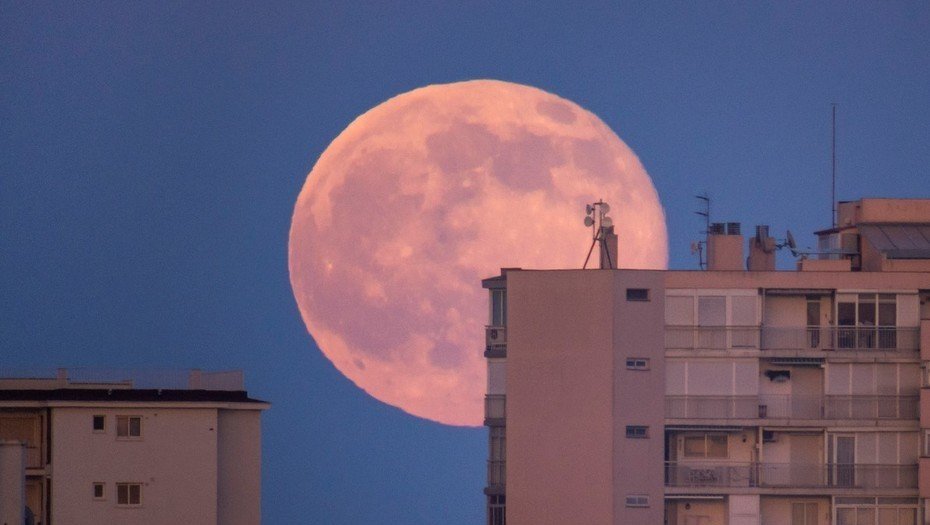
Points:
x=697, y=247
x=596, y=217
x=833, y=195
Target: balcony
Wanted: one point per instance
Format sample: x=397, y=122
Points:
x=497, y=473
x=495, y=340
x=711, y=337
x=841, y=338
x=711, y=407
x=859, y=407
x=794, y=475
x=495, y=409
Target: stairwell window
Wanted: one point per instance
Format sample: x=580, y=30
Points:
x=100, y=424
x=129, y=427
x=637, y=432
x=637, y=294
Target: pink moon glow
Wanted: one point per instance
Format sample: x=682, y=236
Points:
x=426, y=194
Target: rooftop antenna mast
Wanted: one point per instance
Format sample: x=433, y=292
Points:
x=697, y=247
x=833, y=196
x=596, y=217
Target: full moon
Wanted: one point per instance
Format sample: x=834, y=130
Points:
x=426, y=194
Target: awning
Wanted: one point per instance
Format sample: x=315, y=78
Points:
x=798, y=291
x=899, y=241
x=704, y=428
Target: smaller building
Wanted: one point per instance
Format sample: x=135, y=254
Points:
x=80, y=446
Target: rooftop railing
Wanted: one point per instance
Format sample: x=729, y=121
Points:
x=794, y=475
x=138, y=378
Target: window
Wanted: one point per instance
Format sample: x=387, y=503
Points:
x=498, y=307
x=637, y=294
x=637, y=500
x=98, y=491
x=100, y=423
x=705, y=446
x=129, y=494
x=128, y=426
x=637, y=363
x=637, y=432
x=803, y=514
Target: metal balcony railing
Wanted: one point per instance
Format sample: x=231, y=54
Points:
x=711, y=407
x=886, y=338
x=861, y=407
x=495, y=406
x=497, y=472
x=495, y=337
x=794, y=475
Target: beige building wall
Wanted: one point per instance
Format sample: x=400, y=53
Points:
x=639, y=397
x=239, y=467
x=12, y=481
x=560, y=379
x=175, y=460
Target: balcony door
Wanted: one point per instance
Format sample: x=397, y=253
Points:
x=866, y=320
x=842, y=453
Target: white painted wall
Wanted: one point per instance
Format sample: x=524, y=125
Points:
x=175, y=460
x=239, y=467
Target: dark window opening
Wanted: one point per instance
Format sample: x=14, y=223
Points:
x=637, y=294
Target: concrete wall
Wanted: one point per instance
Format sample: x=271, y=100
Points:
x=175, y=460
x=777, y=510
x=239, y=467
x=638, y=397
x=560, y=397
x=697, y=512
x=12, y=482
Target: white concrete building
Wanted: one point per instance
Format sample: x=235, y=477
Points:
x=93, y=446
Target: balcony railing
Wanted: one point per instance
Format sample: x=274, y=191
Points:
x=840, y=338
x=864, y=407
x=792, y=338
x=711, y=407
x=840, y=476
x=495, y=406
x=497, y=472
x=495, y=337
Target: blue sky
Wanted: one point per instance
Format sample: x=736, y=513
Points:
x=151, y=154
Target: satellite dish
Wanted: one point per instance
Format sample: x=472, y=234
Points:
x=588, y=221
x=607, y=222
x=605, y=208
x=793, y=246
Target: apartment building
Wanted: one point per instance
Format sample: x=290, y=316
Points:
x=82, y=446
x=733, y=396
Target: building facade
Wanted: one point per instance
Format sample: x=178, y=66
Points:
x=82, y=448
x=739, y=395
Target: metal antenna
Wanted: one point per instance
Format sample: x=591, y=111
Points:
x=596, y=217
x=698, y=247
x=833, y=195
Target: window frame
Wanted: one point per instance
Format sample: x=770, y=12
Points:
x=128, y=485
x=638, y=295
x=637, y=363
x=103, y=490
x=129, y=436
x=637, y=432
x=706, y=438
x=637, y=500
x=103, y=420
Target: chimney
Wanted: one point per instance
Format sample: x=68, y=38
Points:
x=724, y=247
x=761, y=251
x=608, y=248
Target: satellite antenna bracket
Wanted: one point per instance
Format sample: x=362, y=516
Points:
x=596, y=218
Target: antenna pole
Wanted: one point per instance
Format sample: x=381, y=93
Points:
x=833, y=196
